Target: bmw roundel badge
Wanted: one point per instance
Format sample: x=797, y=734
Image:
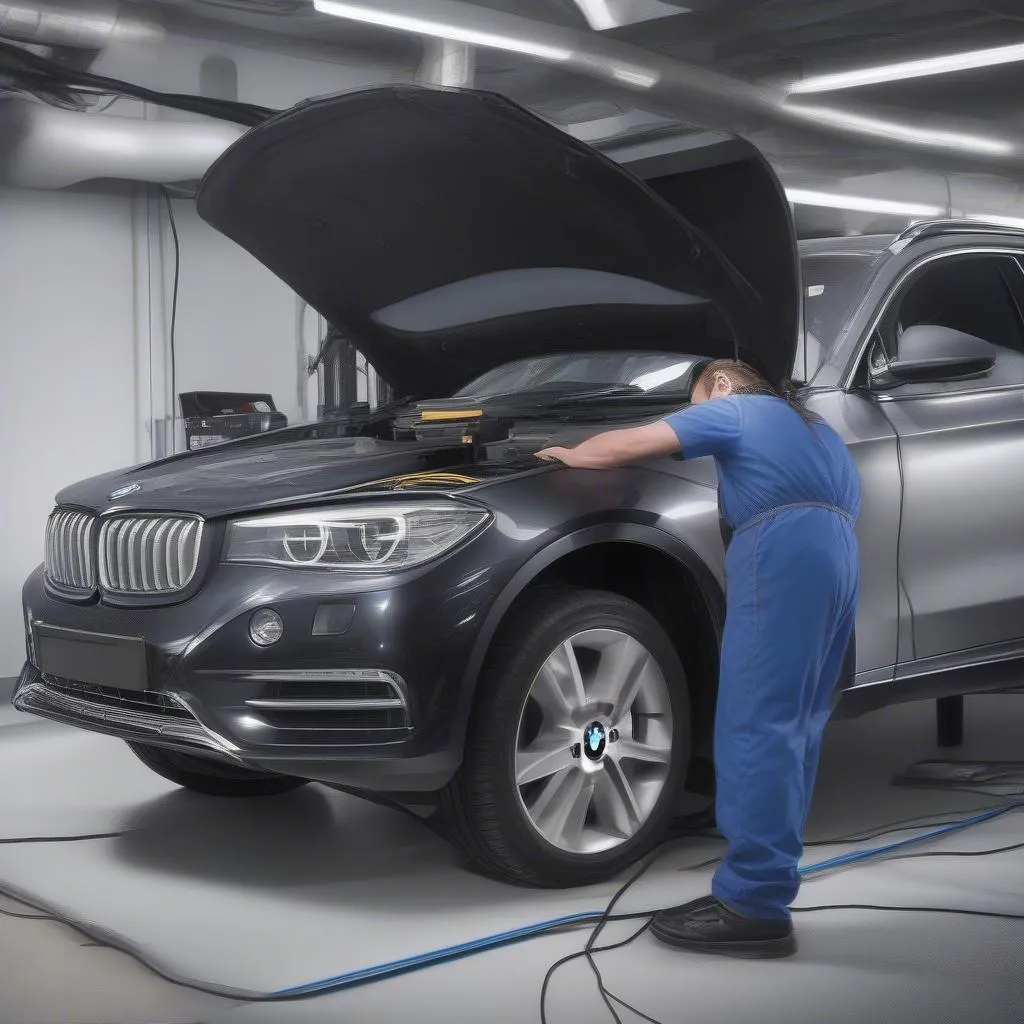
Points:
x=595, y=739
x=122, y=491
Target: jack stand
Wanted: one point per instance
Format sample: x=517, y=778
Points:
x=949, y=721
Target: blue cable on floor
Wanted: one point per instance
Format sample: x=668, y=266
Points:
x=412, y=963
x=877, y=851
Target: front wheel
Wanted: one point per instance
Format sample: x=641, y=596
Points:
x=578, y=742
x=213, y=778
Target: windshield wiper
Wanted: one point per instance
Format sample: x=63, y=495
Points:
x=627, y=391
x=602, y=391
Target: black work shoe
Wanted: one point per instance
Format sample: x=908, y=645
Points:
x=708, y=926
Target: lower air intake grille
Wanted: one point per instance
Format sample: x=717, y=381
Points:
x=111, y=697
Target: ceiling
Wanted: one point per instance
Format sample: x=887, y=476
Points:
x=718, y=63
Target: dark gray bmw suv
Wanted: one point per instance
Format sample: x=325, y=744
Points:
x=407, y=604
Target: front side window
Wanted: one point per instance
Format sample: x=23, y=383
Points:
x=974, y=294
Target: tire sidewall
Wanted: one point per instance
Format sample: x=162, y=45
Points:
x=533, y=636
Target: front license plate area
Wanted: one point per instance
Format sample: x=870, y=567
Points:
x=97, y=658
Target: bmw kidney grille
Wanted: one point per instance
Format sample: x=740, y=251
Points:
x=123, y=554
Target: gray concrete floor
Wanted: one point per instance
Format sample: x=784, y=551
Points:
x=51, y=974
x=852, y=967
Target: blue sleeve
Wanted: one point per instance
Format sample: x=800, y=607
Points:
x=711, y=428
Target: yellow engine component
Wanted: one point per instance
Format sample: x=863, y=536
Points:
x=440, y=415
x=429, y=479
x=407, y=481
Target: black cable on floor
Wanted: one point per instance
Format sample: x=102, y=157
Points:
x=581, y=953
x=610, y=997
x=61, y=839
x=110, y=940
x=960, y=853
x=900, y=825
x=913, y=910
x=589, y=950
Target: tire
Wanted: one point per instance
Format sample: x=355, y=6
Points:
x=210, y=777
x=501, y=826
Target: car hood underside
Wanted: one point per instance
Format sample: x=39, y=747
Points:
x=447, y=231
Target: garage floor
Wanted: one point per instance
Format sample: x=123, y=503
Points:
x=265, y=895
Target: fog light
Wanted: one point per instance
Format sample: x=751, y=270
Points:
x=266, y=627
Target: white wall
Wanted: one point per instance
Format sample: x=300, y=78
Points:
x=85, y=290
x=69, y=404
x=236, y=326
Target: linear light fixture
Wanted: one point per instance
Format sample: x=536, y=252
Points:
x=835, y=201
x=426, y=27
x=908, y=133
x=911, y=69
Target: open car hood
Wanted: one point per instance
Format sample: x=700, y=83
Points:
x=449, y=231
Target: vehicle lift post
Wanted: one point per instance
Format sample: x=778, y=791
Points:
x=949, y=720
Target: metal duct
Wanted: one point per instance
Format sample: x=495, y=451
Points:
x=447, y=63
x=91, y=24
x=602, y=15
x=699, y=96
x=49, y=148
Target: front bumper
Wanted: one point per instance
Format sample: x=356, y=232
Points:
x=165, y=718
x=363, y=695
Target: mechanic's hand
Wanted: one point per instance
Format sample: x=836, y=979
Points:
x=557, y=455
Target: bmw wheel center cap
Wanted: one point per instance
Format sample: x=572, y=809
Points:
x=595, y=741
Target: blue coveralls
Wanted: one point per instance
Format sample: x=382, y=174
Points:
x=791, y=495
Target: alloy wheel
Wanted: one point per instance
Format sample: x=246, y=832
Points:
x=594, y=742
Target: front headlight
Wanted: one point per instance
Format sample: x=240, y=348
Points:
x=360, y=538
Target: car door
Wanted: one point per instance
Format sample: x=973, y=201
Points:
x=961, y=451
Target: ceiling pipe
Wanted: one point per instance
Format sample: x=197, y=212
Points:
x=602, y=15
x=90, y=24
x=698, y=95
x=447, y=63
x=49, y=148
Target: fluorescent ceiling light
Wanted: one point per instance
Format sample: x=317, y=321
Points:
x=426, y=27
x=998, y=219
x=911, y=69
x=835, y=201
x=904, y=132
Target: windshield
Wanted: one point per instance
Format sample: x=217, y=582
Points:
x=642, y=372
x=833, y=284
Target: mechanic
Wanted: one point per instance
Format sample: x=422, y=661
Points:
x=789, y=493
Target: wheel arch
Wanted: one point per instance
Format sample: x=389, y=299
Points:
x=576, y=558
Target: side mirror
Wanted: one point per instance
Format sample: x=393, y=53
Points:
x=931, y=353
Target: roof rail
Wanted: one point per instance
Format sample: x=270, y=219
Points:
x=932, y=228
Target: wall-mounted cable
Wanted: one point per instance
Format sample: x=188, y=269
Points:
x=174, y=317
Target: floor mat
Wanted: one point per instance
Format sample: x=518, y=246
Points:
x=263, y=895
x=258, y=894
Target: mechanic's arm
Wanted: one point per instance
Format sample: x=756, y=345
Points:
x=708, y=428
x=617, y=447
